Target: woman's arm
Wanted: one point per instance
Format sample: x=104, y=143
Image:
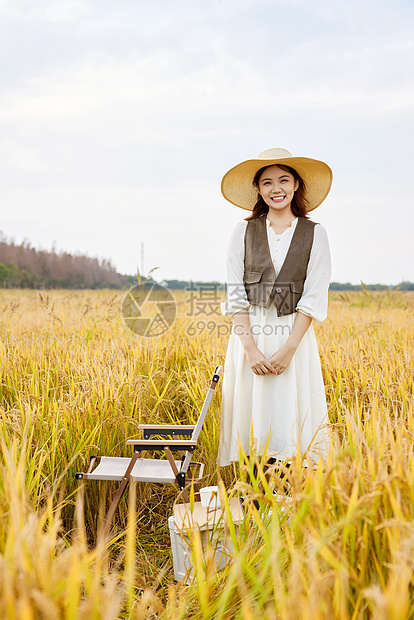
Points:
x=236, y=298
x=237, y=304
x=257, y=361
x=314, y=301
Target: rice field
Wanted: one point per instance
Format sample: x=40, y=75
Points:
x=76, y=382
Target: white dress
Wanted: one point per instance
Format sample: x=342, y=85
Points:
x=285, y=411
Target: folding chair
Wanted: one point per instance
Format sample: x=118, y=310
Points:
x=138, y=469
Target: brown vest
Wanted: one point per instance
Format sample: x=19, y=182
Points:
x=262, y=286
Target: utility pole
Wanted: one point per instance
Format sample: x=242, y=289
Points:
x=142, y=259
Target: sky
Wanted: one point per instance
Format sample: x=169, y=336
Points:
x=119, y=119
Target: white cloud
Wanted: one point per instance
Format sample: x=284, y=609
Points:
x=105, y=106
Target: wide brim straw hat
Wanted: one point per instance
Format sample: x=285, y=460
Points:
x=237, y=184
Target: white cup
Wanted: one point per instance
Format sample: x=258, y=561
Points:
x=210, y=497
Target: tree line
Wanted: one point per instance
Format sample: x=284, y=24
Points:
x=334, y=286
x=402, y=286
x=24, y=266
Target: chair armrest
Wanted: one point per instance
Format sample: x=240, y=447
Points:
x=161, y=444
x=173, y=426
x=94, y=460
x=166, y=429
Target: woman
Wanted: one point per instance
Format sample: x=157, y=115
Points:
x=278, y=274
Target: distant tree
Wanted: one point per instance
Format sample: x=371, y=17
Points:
x=4, y=275
x=377, y=287
x=15, y=277
x=405, y=286
x=26, y=266
x=337, y=286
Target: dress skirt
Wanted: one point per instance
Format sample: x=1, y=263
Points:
x=284, y=412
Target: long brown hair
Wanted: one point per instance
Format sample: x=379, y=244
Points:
x=299, y=204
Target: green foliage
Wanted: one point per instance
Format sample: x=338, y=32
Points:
x=11, y=276
x=403, y=286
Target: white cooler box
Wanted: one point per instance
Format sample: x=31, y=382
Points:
x=206, y=521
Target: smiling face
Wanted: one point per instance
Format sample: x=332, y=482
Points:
x=277, y=188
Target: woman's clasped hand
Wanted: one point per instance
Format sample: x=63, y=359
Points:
x=279, y=361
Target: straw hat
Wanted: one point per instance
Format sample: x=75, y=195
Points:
x=237, y=184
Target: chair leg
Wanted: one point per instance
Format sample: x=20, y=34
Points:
x=118, y=496
x=197, y=487
x=176, y=473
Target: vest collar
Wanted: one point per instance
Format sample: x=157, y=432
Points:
x=291, y=227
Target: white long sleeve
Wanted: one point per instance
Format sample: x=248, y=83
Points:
x=314, y=300
x=236, y=297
